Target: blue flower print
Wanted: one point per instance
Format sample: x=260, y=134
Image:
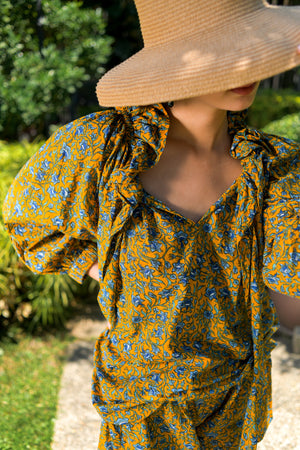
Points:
x=20, y=230
x=162, y=316
x=200, y=259
x=159, y=332
x=177, y=267
x=156, y=376
x=82, y=213
x=215, y=267
x=208, y=314
x=153, y=391
x=295, y=256
x=225, y=293
x=64, y=193
x=95, y=399
x=65, y=152
x=55, y=178
x=211, y=293
x=207, y=228
x=187, y=303
x=137, y=300
x=179, y=327
x=40, y=175
x=165, y=293
x=254, y=286
x=180, y=370
x=147, y=271
x=84, y=145
x=115, y=340
x=147, y=355
x=198, y=345
x=45, y=164
x=137, y=319
x=155, y=349
x=51, y=191
x=155, y=246
x=39, y=267
x=176, y=355
x=193, y=375
x=286, y=270
x=57, y=221
x=34, y=205
x=272, y=279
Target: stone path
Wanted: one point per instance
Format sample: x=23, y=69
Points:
x=77, y=425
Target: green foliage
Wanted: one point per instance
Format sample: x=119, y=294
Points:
x=271, y=105
x=29, y=385
x=26, y=298
x=44, y=59
x=123, y=25
x=288, y=126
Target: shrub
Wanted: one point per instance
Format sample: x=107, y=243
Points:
x=45, y=57
x=25, y=298
x=271, y=105
x=288, y=126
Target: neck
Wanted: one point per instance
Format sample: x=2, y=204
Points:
x=200, y=126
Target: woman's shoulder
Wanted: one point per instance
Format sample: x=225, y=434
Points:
x=92, y=128
x=283, y=158
x=281, y=147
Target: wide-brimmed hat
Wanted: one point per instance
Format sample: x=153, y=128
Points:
x=197, y=47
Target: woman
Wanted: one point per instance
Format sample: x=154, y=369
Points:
x=185, y=216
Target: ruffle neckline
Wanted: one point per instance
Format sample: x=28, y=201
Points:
x=139, y=136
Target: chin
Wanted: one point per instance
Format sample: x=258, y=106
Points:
x=241, y=104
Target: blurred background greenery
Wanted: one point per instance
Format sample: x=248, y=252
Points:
x=52, y=53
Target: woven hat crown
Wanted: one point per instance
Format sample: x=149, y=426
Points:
x=163, y=21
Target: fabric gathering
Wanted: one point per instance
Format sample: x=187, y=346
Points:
x=186, y=363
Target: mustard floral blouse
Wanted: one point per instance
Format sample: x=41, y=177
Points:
x=186, y=364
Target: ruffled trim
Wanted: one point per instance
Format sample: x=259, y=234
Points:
x=131, y=153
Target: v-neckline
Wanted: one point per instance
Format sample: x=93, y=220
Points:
x=152, y=200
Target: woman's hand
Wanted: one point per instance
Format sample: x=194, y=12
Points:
x=94, y=271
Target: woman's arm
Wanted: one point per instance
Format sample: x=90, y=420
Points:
x=51, y=209
x=288, y=309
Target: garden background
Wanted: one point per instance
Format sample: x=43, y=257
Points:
x=52, y=53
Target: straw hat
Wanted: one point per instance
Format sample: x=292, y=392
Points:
x=196, y=47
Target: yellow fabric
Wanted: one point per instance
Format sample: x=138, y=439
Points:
x=186, y=364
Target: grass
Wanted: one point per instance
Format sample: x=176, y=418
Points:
x=30, y=374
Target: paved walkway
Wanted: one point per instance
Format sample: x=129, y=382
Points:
x=77, y=425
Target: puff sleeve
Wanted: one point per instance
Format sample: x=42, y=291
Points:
x=281, y=262
x=51, y=209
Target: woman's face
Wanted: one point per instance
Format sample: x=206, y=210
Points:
x=231, y=100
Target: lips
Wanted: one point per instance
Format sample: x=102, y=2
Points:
x=244, y=90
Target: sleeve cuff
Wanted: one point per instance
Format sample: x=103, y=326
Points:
x=82, y=262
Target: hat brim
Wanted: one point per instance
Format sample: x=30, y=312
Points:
x=258, y=46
